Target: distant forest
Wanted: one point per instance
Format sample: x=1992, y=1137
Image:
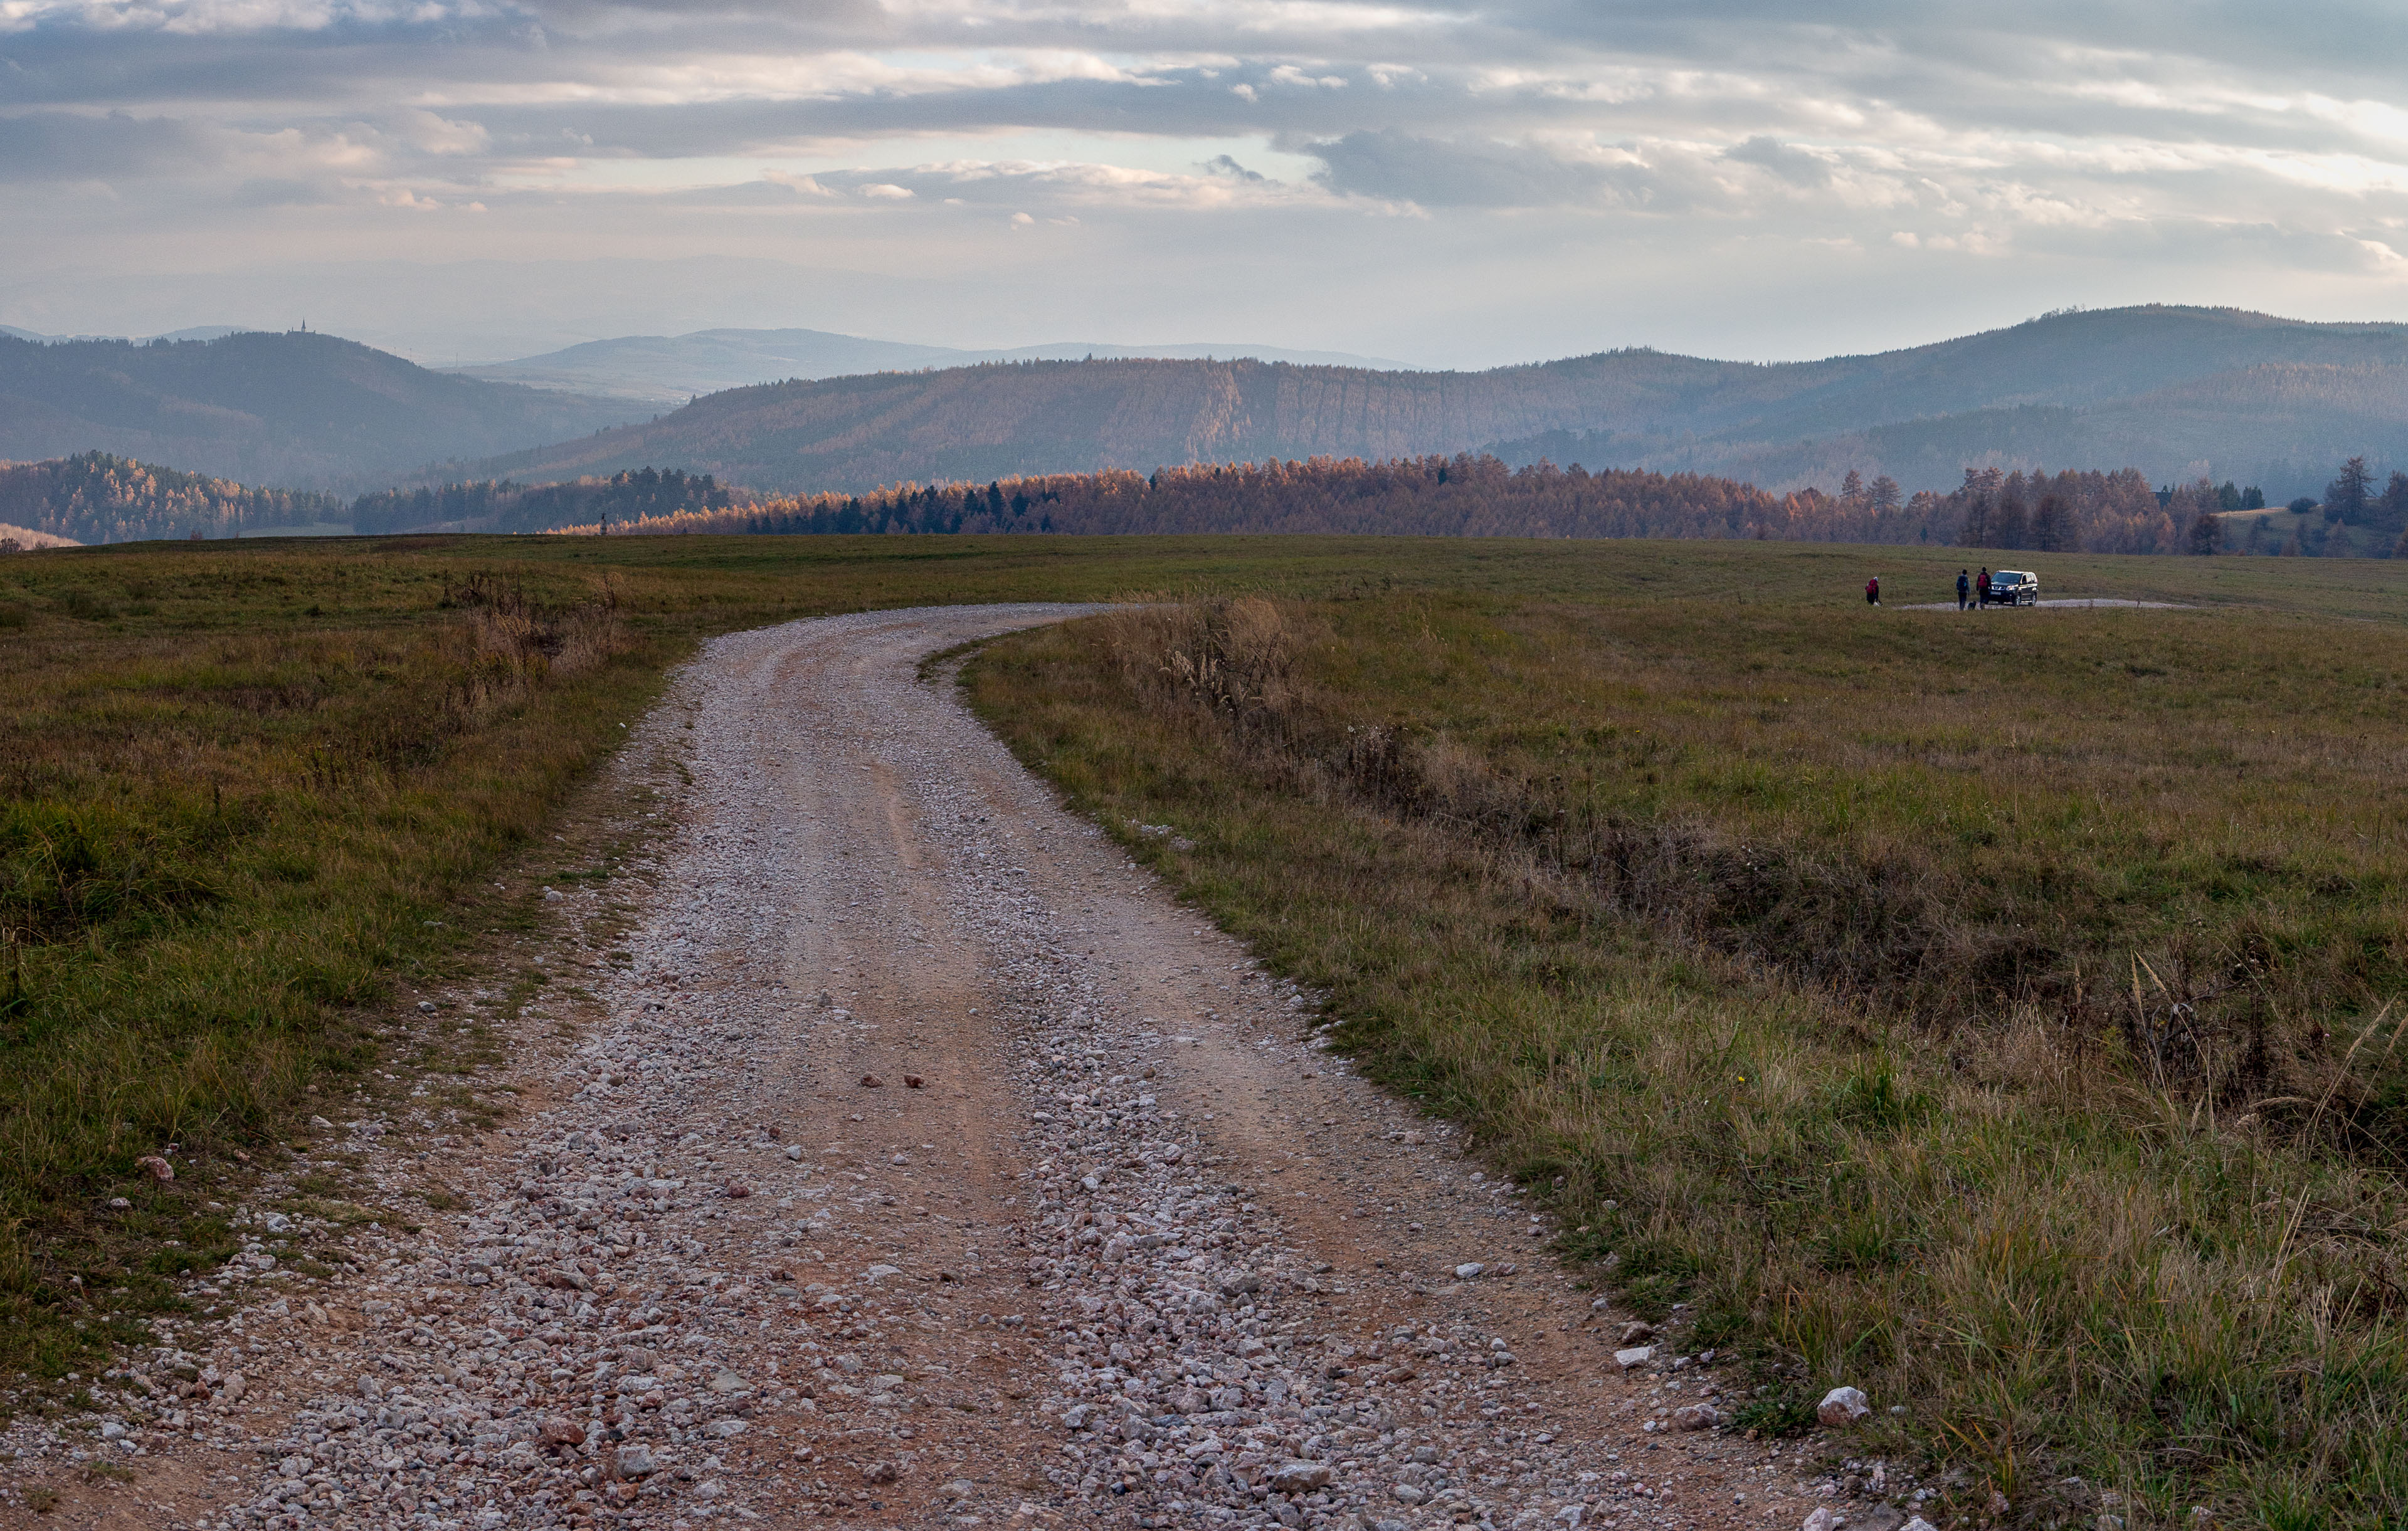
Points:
x=501, y=505
x=96, y=498
x=1427, y=496
x=1468, y=495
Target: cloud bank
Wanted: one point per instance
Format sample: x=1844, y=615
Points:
x=1462, y=183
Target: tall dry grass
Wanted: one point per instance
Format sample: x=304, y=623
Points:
x=2081, y=1153
x=224, y=819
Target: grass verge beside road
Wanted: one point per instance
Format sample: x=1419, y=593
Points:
x=1996, y=1012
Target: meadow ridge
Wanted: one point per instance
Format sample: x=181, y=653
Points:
x=1988, y=1010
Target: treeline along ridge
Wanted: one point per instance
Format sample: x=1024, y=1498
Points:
x=1479, y=496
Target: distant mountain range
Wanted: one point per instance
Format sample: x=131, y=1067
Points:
x=2178, y=393
x=297, y=410
x=674, y=369
x=2174, y=392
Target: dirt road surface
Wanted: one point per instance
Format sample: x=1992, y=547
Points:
x=886, y=1150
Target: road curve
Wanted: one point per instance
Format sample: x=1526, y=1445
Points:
x=911, y=1159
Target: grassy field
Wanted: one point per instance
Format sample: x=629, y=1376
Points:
x=242, y=785
x=1996, y=1012
x=1989, y=1009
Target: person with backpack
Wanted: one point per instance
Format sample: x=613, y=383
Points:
x=1873, y=591
x=1963, y=586
x=1982, y=587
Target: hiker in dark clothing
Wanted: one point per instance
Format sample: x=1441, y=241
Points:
x=1981, y=589
x=1963, y=585
x=1873, y=591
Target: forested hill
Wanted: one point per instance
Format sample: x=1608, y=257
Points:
x=309, y=410
x=1468, y=495
x=1001, y=420
x=95, y=497
x=2174, y=392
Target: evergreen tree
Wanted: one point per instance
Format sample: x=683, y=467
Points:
x=2395, y=500
x=2345, y=497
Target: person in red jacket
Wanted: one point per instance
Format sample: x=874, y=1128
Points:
x=1873, y=591
x=1982, y=587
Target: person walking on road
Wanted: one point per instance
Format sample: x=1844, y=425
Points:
x=1982, y=587
x=1964, y=585
x=1873, y=591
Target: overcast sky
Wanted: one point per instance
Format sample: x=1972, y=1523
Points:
x=1453, y=184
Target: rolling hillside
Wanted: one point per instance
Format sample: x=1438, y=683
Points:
x=669, y=370
x=1000, y=420
x=2174, y=392
x=308, y=411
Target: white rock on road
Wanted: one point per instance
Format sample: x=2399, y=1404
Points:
x=1128, y=1246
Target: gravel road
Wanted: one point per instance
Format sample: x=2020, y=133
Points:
x=888, y=1150
x=2068, y=602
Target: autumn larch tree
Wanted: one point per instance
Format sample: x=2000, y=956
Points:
x=2052, y=524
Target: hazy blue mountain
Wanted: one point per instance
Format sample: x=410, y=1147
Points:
x=2174, y=392
x=672, y=369
x=303, y=411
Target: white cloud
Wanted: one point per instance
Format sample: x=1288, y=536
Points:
x=808, y=185
x=431, y=135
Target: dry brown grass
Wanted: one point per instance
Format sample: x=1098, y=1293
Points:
x=1936, y=1006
